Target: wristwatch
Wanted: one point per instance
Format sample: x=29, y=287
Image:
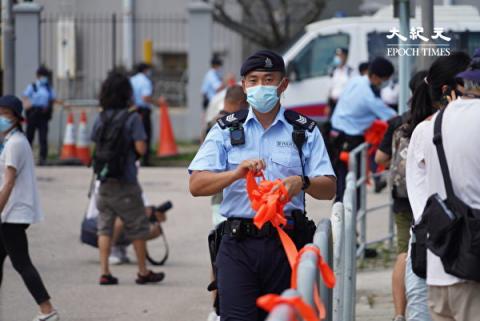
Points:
x=306, y=182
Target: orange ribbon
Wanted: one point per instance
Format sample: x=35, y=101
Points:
x=270, y=301
x=328, y=277
x=268, y=199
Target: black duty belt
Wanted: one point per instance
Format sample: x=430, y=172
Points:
x=243, y=227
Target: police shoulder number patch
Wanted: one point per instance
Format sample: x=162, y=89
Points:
x=298, y=120
x=232, y=119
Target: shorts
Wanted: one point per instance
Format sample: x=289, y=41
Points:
x=403, y=221
x=123, y=200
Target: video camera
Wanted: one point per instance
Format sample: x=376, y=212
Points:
x=159, y=212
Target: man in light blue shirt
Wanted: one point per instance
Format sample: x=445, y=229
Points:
x=358, y=107
x=38, y=99
x=251, y=261
x=143, y=98
x=213, y=81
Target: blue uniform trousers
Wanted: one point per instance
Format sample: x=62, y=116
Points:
x=246, y=270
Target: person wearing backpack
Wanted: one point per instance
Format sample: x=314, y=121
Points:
x=432, y=95
x=119, y=137
x=392, y=153
x=38, y=99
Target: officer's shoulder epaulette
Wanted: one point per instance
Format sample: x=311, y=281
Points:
x=298, y=120
x=232, y=119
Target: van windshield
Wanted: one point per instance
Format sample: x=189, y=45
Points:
x=316, y=58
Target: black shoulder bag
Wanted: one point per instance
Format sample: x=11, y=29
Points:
x=453, y=227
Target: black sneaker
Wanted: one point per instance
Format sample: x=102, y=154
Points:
x=151, y=277
x=108, y=279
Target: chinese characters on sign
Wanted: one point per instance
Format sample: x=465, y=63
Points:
x=417, y=33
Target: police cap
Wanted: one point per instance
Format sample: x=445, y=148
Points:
x=263, y=60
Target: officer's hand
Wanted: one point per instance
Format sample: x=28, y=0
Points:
x=247, y=165
x=293, y=184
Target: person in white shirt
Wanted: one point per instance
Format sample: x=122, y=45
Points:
x=340, y=75
x=449, y=298
x=19, y=205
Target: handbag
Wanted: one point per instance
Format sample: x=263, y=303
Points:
x=453, y=227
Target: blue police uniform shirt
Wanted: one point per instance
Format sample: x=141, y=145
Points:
x=142, y=87
x=358, y=107
x=211, y=82
x=275, y=146
x=41, y=97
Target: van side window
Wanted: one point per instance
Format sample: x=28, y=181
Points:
x=315, y=60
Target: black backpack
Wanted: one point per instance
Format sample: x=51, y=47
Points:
x=112, y=146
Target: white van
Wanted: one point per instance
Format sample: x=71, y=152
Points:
x=309, y=59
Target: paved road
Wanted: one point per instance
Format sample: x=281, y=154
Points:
x=71, y=272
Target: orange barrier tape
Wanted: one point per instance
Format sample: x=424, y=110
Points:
x=270, y=301
x=328, y=277
x=268, y=200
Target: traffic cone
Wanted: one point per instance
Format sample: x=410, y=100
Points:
x=68, y=148
x=83, y=146
x=166, y=141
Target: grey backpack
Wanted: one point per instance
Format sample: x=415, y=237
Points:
x=399, y=162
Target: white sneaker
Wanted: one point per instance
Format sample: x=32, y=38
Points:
x=118, y=255
x=213, y=317
x=53, y=316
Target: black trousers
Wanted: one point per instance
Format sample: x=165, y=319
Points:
x=14, y=244
x=37, y=119
x=247, y=269
x=146, y=115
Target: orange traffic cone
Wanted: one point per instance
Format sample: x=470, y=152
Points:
x=166, y=142
x=83, y=146
x=68, y=148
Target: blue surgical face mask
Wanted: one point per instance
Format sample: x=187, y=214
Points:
x=337, y=61
x=43, y=80
x=384, y=84
x=262, y=98
x=5, y=124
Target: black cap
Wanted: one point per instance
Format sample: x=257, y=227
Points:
x=263, y=60
x=381, y=67
x=216, y=61
x=42, y=71
x=13, y=103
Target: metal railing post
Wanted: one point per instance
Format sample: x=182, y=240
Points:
x=307, y=276
x=324, y=241
x=338, y=228
x=350, y=204
x=283, y=312
x=362, y=206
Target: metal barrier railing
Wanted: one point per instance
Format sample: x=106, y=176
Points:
x=338, y=232
x=358, y=165
x=323, y=239
x=347, y=312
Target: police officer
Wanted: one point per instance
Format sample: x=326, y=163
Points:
x=213, y=81
x=357, y=108
x=251, y=262
x=143, y=98
x=38, y=99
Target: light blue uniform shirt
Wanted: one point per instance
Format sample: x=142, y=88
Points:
x=358, y=107
x=142, y=87
x=211, y=82
x=40, y=97
x=275, y=146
